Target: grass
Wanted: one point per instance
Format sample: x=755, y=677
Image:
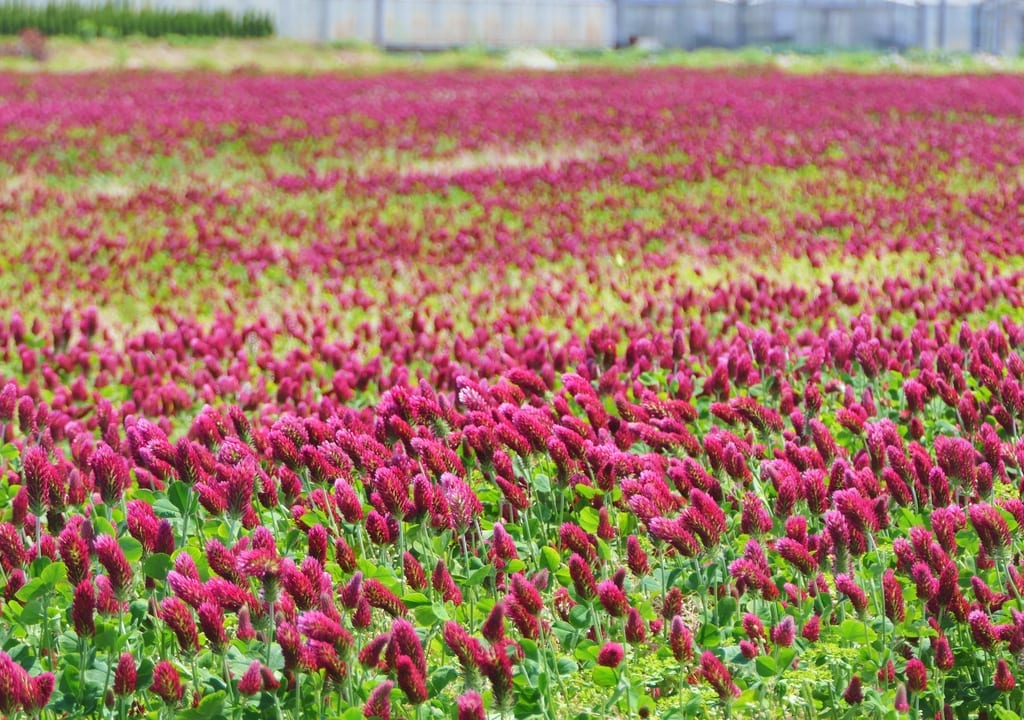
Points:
x=178, y=53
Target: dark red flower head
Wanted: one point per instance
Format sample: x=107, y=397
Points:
x=610, y=655
x=717, y=676
x=917, y=675
x=167, y=682
x=378, y=705
x=471, y=706
x=854, y=693
x=1004, y=680
x=125, y=675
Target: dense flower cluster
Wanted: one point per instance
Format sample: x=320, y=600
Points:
x=440, y=390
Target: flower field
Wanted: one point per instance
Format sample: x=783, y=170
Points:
x=650, y=393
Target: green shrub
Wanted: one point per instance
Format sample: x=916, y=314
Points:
x=118, y=19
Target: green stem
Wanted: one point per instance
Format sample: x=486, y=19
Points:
x=703, y=588
x=625, y=683
x=187, y=514
x=270, y=595
x=553, y=667
x=47, y=644
x=227, y=678
x=401, y=548
x=526, y=526
x=595, y=622
x=465, y=564
x=107, y=678
x=83, y=664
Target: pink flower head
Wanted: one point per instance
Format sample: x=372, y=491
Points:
x=113, y=560
x=251, y=681
x=163, y=541
x=222, y=561
x=753, y=626
x=582, y=576
x=411, y=680
x=370, y=655
x=900, y=704
x=378, y=705
x=167, y=683
x=991, y=527
x=943, y=653
x=982, y=630
x=320, y=626
x=610, y=655
x=636, y=558
x=187, y=588
x=613, y=600
x=471, y=706
x=15, y=685
x=526, y=623
x=179, y=618
x=917, y=675
x=463, y=645
x=8, y=402
x=379, y=528
x=575, y=539
x=463, y=504
x=811, y=629
x=125, y=675
x=704, y=517
x=717, y=676
x=74, y=552
x=83, y=605
x=229, y=595
x=261, y=563
x=675, y=533
x=40, y=690
x=636, y=629
x=316, y=540
x=110, y=473
x=784, y=633
x=142, y=523
x=926, y=583
x=680, y=639
x=1004, y=680
x=503, y=546
x=350, y=593
x=526, y=594
x=796, y=553
x=378, y=596
x=363, y=615
x=892, y=592
x=498, y=670
x=299, y=586
x=324, y=656
x=946, y=521
x=857, y=596
x=347, y=501
x=754, y=518
x=854, y=693
x=37, y=476
x=493, y=628
x=106, y=599
x=442, y=582
x=413, y=572
x=407, y=642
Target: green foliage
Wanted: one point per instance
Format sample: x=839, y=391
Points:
x=113, y=19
